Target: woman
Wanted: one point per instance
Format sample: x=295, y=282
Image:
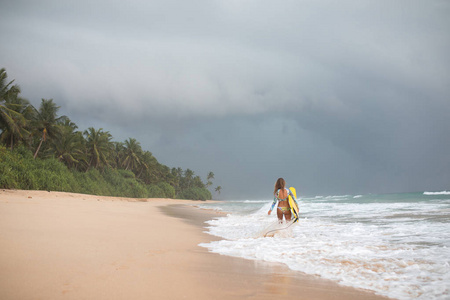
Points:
x=281, y=194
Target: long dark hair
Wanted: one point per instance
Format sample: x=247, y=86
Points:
x=280, y=184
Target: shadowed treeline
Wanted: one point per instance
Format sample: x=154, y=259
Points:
x=40, y=150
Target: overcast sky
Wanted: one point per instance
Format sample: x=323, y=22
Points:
x=337, y=97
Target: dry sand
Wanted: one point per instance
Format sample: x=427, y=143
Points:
x=71, y=246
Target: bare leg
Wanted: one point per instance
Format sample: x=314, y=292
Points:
x=288, y=216
x=279, y=215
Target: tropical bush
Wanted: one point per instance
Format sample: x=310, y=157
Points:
x=195, y=194
x=169, y=191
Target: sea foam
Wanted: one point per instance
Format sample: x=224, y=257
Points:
x=399, y=249
x=437, y=193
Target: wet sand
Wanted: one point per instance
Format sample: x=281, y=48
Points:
x=72, y=246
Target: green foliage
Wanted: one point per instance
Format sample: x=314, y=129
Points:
x=96, y=184
x=169, y=191
x=8, y=169
x=51, y=175
x=99, y=147
x=46, y=123
x=155, y=191
x=84, y=162
x=19, y=170
x=195, y=194
x=126, y=173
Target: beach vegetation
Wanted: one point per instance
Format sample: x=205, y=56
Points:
x=195, y=193
x=218, y=189
x=98, y=148
x=169, y=191
x=209, y=177
x=45, y=123
x=40, y=150
x=14, y=111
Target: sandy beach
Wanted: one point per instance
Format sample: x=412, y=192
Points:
x=56, y=245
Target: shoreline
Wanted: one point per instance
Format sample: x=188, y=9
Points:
x=56, y=245
x=276, y=279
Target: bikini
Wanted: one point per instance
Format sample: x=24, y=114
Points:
x=284, y=210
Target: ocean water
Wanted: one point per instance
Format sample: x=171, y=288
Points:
x=397, y=245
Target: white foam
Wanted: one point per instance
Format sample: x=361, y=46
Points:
x=209, y=207
x=337, y=197
x=389, y=248
x=256, y=201
x=436, y=193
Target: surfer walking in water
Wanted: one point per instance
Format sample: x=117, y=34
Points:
x=281, y=195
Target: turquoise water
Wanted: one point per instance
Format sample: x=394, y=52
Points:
x=397, y=245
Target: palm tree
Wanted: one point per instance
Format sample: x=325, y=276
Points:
x=177, y=175
x=208, y=179
x=14, y=111
x=69, y=146
x=188, y=176
x=197, y=182
x=149, y=170
x=117, y=154
x=13, y=121
x=5, y=88
x=218, y=189
x=47, y=122
x=98, y=147
x=132, y=155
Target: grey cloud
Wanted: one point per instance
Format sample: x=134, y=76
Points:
x=360, y=88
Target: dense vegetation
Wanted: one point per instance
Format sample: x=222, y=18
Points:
x=40, y=150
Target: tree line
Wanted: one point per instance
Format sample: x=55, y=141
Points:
x=31, y=134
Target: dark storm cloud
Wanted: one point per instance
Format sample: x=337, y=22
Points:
x=338, y=97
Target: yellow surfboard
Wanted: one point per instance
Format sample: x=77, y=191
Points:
x=293, y=204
